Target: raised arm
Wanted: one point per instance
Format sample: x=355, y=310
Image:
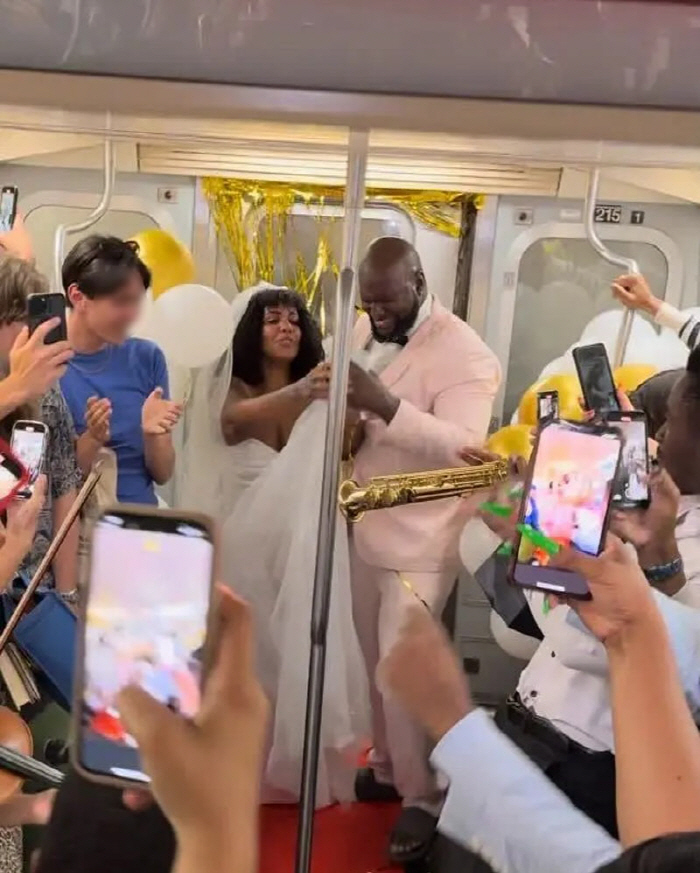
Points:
x=657, y=748
x=634, y=293
x=243, y=409
x=499, y=804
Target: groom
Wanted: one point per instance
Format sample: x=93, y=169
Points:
x=426, y=392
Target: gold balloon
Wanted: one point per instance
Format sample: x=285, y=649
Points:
x=630, y=376
x=169, y=260
x=513, y=440
x=567, y=387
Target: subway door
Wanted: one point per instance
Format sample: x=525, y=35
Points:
x=548, y=283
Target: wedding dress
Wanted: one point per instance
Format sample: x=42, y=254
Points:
x=268, y=505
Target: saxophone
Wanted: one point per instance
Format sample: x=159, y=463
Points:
x=383, y=492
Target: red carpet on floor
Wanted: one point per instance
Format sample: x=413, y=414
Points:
x=347, y=839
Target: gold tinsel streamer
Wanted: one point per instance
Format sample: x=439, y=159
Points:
x=254, y=255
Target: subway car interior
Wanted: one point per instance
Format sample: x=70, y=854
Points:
x=527, y=151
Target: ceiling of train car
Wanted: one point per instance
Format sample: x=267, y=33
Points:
x=318, y=155
x=614, y=53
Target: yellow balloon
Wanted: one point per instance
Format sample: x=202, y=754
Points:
x=630, y=376
x=515, y=439
x=567, y=387
x=169, y=260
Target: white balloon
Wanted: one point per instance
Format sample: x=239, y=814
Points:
x=142, y=326
x=192, y=324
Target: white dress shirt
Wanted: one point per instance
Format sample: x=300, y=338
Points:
x=566, y=682
x=501, y=806
x=380, y=355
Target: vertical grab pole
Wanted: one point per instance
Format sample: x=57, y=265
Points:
x=627, y=264
x=62, y=232
x=358, y=144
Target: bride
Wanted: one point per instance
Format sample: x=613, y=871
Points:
x=253, y=458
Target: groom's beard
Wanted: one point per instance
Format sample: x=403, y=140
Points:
x=403, y=325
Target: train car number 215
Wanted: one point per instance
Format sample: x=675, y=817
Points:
x=607, y=214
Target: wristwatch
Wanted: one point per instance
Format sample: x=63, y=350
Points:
x=72, y=598
x=663, y=572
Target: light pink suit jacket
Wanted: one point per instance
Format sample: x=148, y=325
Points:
x=446, y=378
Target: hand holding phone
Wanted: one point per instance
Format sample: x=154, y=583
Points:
x=595, y=376
x=228, y=742
x=145, y=624
x=47, y=307
x=36, y=366
x=631, y=489
x=28, y=442
x=547, y=405
x=566, y=500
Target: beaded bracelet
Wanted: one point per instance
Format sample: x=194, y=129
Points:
x=663, y=572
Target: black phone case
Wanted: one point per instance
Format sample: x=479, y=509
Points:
x=586, y=396
x=37, y=315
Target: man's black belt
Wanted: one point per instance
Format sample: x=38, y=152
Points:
x=518, y=715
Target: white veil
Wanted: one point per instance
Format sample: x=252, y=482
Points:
x=207, y=478
x=268, y=554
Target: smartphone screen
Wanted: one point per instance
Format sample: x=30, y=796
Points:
x=43, y=307
x=567, y=498
x=547, y=405
x=596, y=379
x=145, y=623
x=28, y=444
x=632, y=482
x=8, y=208
x=13, y=475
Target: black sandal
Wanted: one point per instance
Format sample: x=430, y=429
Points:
x=369, y=790
x=412, y=835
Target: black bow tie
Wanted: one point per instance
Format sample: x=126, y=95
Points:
x=396, y=340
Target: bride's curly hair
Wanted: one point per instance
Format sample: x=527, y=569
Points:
x=247, y=340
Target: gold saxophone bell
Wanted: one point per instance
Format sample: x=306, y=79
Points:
x=383, y=492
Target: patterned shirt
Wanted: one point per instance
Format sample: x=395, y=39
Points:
x=61, y=467
x=686, y=325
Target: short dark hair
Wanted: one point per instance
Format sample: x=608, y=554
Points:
x=692, y=375
x=18, y=279
x=247, y=340
x=100, y=265
x=652, y=397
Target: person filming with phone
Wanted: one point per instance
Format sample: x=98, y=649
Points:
x=34, y=398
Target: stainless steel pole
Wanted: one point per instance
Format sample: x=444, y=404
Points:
x=62, y=232
x=627, y=264
x=358, y=144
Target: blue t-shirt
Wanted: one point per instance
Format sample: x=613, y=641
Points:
x=126, y=375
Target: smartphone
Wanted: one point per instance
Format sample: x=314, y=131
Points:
x=14, y=476
x=595, y=376
x=547, y=405
x=8, y=207
x=632, y=484
x=567, y=497
x=145, y=619
x=44, y=307
x=28, y=444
